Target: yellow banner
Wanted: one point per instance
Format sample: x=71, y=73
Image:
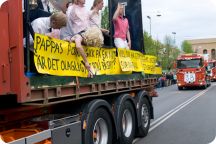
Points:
x=57, y=57
x=103, y=61
x=148, y=63
x=125, y=60
x=158, y=70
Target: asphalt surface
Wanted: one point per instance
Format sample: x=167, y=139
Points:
x=183, y=117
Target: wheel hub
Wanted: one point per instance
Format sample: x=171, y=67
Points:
x=100, y=132
x=144, y=115
x=127, y=123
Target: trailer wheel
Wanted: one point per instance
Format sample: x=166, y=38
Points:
x=144, y=116
x=127, y=123
x=99, y=128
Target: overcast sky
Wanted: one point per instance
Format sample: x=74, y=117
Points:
x=190, y=19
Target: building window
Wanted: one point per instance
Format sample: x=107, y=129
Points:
x=213, y=56
x=205, y=51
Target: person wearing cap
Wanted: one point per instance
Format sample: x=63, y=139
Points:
x=121, y=28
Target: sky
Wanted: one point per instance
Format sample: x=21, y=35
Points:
x=1, y=2
x=189, y=19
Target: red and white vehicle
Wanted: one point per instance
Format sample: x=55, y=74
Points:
x=192, y=71
x=212, y=65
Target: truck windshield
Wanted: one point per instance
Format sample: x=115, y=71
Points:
x=191, y=63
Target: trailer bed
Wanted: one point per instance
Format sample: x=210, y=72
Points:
x=52, y=89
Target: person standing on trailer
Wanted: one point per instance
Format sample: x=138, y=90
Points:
x=95, y=17
x=79, y=18
x=121, y=28
x=66, y=32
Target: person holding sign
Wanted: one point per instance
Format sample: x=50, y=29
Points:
x=121, y=27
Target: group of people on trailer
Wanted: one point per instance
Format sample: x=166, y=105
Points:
x=81, y=26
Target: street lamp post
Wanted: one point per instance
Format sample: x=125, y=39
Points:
x=174, y=33
x=149, y=24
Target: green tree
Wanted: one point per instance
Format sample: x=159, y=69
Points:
x=105, y=18
x=152, y=47
x=186, y=47
x=166, y=53
x=149, y=44
x=170, y=54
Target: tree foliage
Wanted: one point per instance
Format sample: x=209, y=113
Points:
x=105, y=18
x=170, y=55
x=166, y=52
x=152, y=47
x=186, y=47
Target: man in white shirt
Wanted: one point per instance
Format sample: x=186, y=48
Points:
x=44, y=25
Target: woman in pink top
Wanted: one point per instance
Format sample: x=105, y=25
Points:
x=121, y=28
x=79, y=18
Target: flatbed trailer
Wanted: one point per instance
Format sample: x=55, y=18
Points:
x=47, y=109
x=51, y=109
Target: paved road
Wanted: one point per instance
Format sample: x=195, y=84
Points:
x=183, y=117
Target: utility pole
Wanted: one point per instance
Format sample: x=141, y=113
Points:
x=174, y=33
x=149, y=24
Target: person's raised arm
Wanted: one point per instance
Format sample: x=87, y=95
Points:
x=116, y=14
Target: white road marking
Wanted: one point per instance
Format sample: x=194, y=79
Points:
x=166, y=116
x=171, y=111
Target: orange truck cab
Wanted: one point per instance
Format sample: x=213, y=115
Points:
x=212, y=65
x=192, y=71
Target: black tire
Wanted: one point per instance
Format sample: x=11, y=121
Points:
x=180, y=88
x=98, y=115
x=144, y=117
x=124, y=137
